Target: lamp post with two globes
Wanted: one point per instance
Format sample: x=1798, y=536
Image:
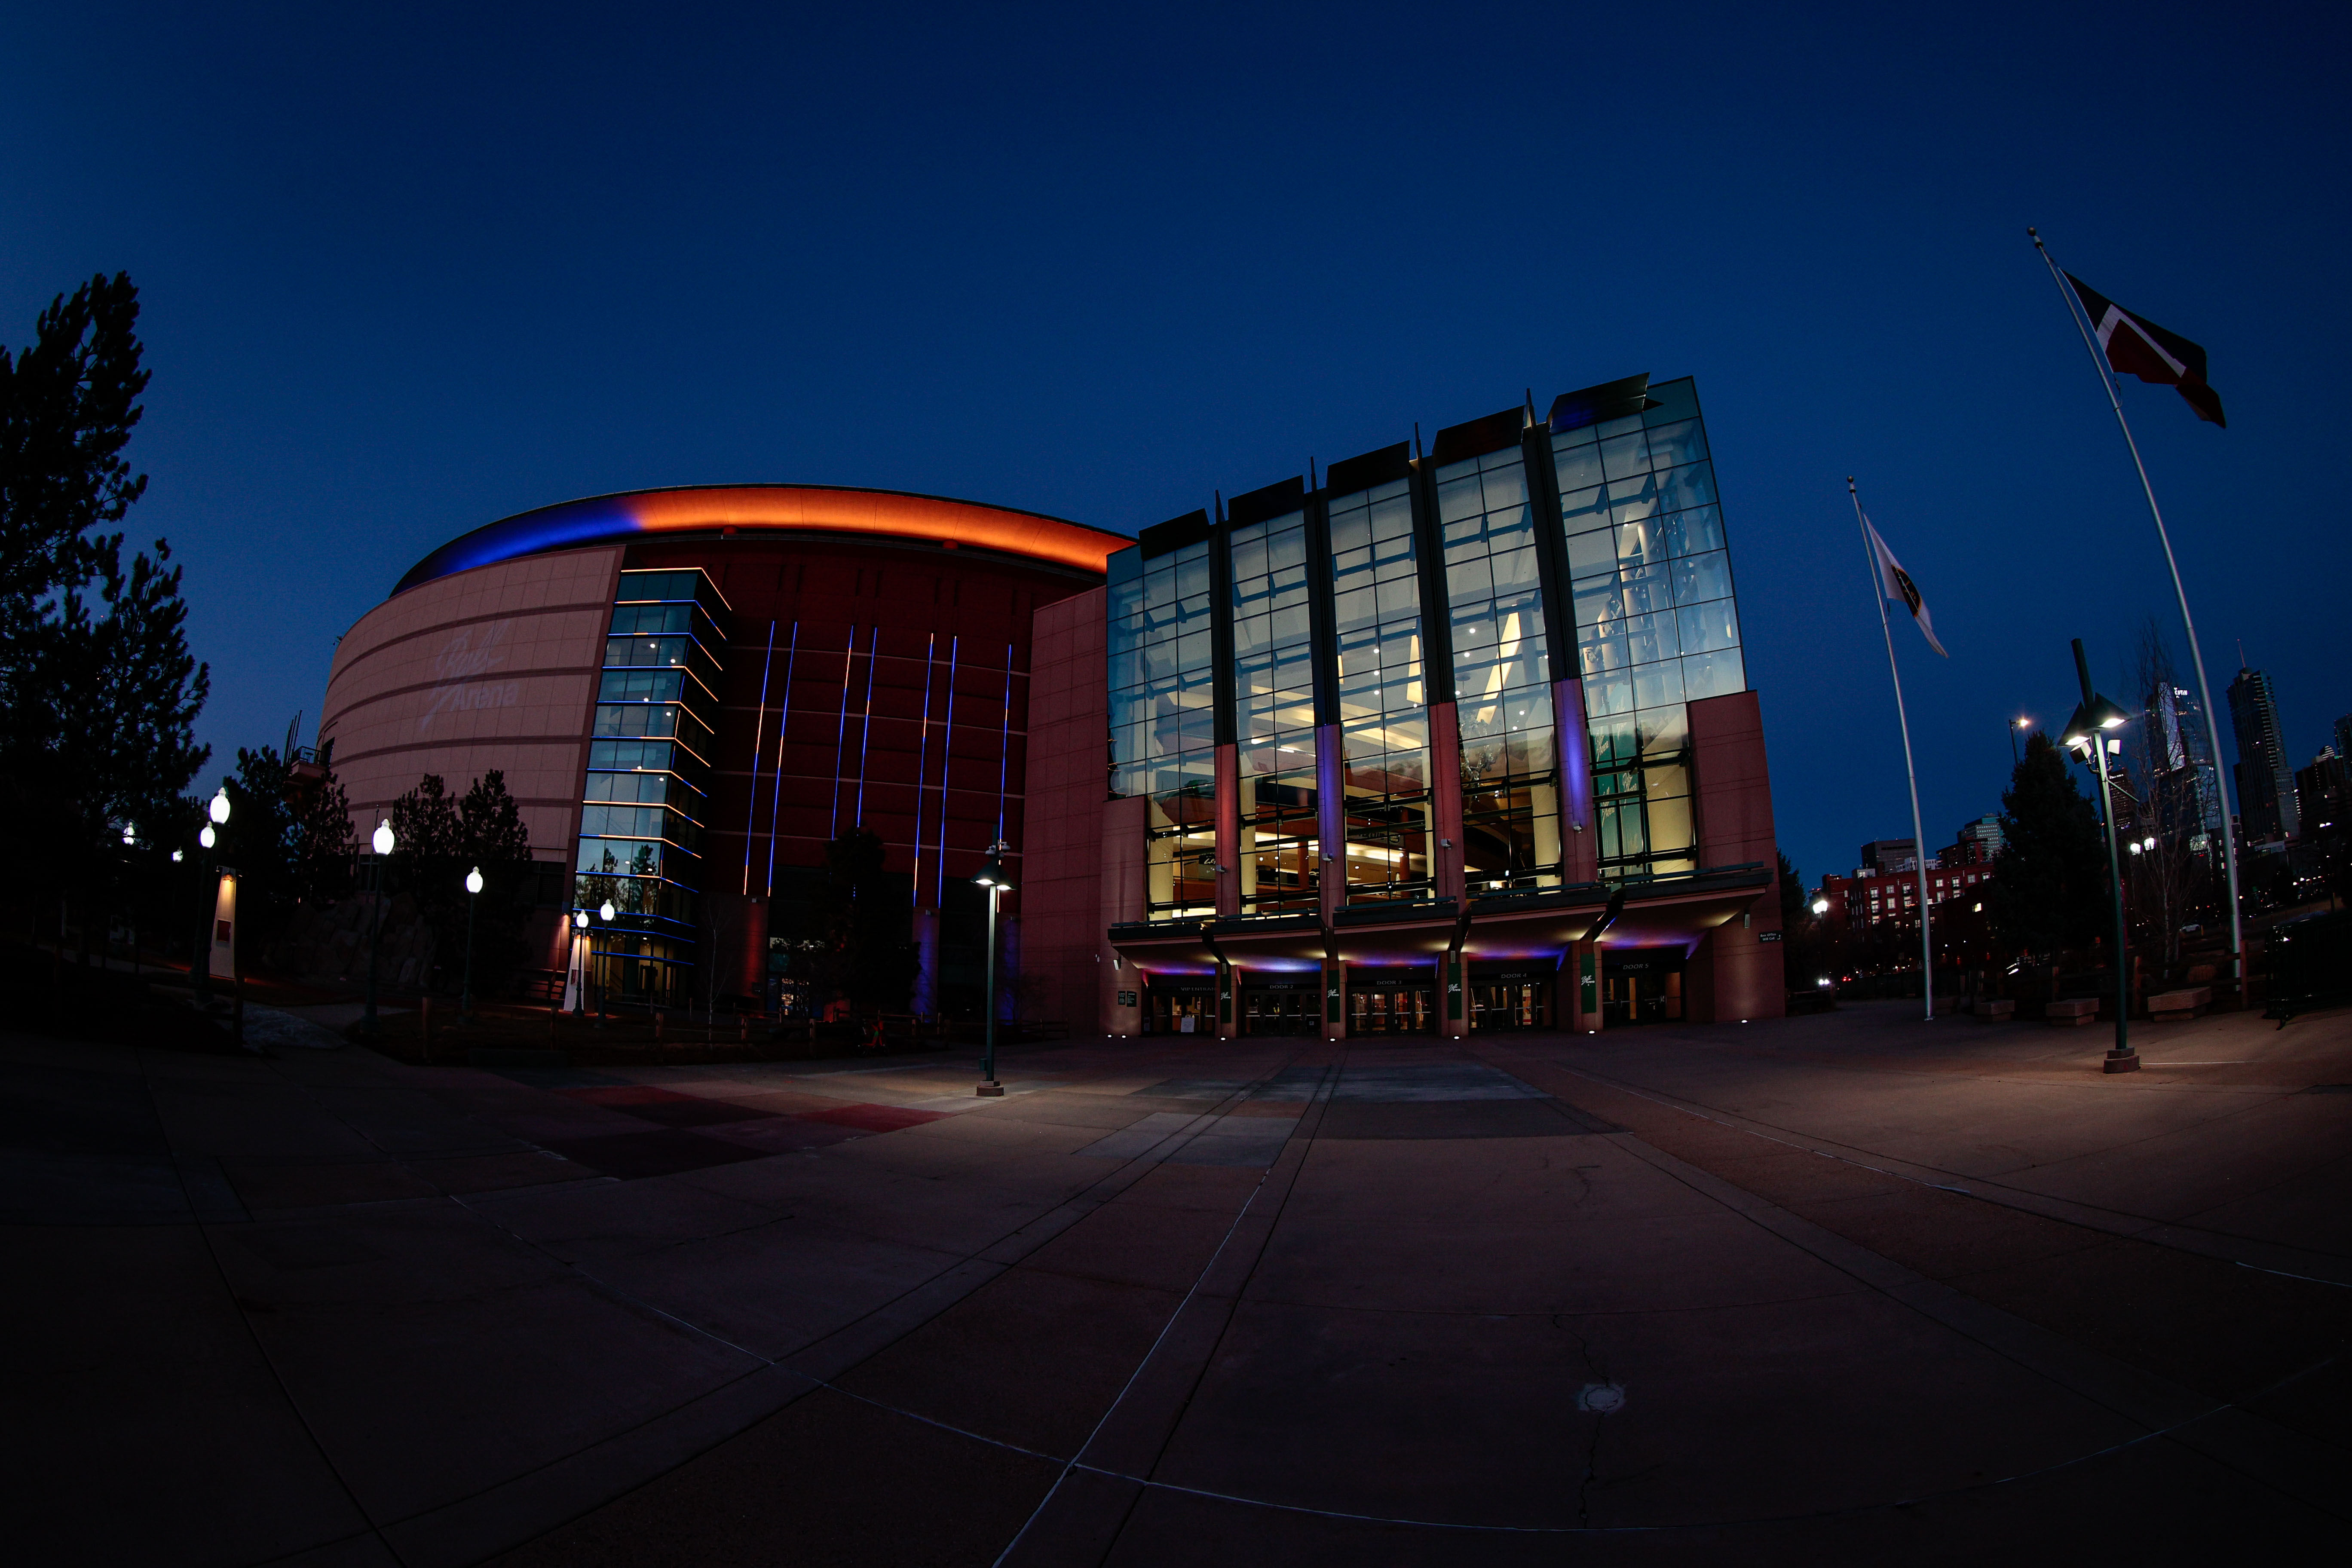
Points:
x=200, y=961
x=383, y=842
x=2086, y=731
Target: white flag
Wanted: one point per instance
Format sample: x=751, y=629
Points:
x=1896, y=583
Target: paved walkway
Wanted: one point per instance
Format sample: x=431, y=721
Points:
x=1844, y=1288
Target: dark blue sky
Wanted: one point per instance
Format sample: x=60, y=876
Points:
x=409, y=271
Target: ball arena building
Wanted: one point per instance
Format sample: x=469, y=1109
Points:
x=1428, y=742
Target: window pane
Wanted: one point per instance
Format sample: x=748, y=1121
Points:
x=1714, y=674
x=1626, y=454
x=1698, y=578
x=1706, y=627
x=1687, y=487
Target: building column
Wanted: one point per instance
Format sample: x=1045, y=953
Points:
x=1120, y=980
x=1229, y=829
x=1580, y=837
x=927, y=962
x=1445, y=797
x=1581, y=987
x=753, y=958
x=1453, y=994
x=1330, y=821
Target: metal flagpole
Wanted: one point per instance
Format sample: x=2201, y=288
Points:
x=2196, y=656
x=1918, y=833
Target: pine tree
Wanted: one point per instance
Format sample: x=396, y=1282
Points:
x=491, y=837
x=326, y=842
x=2049, y=889
x=99, y=693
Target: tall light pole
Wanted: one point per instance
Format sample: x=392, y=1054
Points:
x=473, y=898
x=2016, y=728
x=992, y=877
x=2088, y=729
x=383, y=843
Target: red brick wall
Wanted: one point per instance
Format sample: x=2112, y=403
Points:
x=1734, y=975
x=1062, y=947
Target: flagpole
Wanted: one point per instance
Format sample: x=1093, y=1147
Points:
x=2196, y=655
x=1918, y=833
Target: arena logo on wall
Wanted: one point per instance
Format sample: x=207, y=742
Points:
x=466, y=657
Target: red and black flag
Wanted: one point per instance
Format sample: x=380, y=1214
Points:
x=2137, y=346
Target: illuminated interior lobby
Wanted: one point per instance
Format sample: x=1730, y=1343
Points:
x=1434, y=741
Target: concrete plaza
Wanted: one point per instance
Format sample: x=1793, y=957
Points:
x=1853, y=1287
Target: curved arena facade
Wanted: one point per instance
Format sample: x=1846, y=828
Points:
x=691, y=692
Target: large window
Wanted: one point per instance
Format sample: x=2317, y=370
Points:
x=1502, y=676
x=1273, y=686
x=1656, y=623
x=1383, y=706
x=643, y=802
x=1164, y=734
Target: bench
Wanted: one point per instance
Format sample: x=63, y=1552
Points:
x=1995, y=1009
x=2073, y=1012
x=2181, y=1005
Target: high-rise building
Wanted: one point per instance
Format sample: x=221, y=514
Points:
x=1977, y=843
x=2323, y=791
x=2265, y=780
x=1888, y=856
x=2186, y=790
x=2344, y=736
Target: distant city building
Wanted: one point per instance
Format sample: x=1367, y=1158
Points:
x=2186, y=790
x=2323, y=791
x=1887, y=856
x=1977, y=843
x=1872, y=898
x=2344, y=736
x=2265, y=782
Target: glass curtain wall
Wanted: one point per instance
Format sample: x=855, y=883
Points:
x=1656, y=623
x=1384, y=708
x=1502, y=676
x=643, y=802
x=1273, y=686
x=1164, y=734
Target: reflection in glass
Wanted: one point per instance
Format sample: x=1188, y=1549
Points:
x=1502, y=676
x=1383, y=704
x=1656, y=625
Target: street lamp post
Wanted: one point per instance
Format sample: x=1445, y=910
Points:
x=992, y=877
x=602, y=981
x=2087, y=729
x=579, y=960
x=2016, y=728
x=200, y=961
x=473, y=898
x=383, y=843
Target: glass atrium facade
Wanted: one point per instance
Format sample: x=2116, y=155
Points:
x=1381, y=702
x=1656, y=623
x=646, y=796
x=1364, y=645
